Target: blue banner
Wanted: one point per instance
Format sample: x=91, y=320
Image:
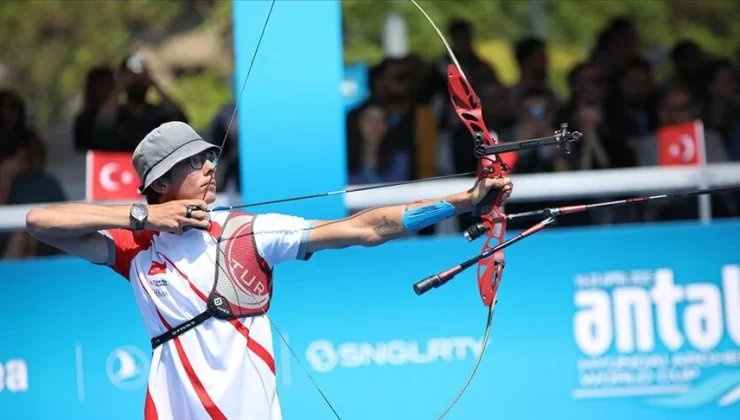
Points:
x=637, y=322
x=292, y=111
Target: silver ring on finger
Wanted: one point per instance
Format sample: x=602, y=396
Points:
x=189, y=212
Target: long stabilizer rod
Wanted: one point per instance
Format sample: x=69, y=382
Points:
x=478, y=229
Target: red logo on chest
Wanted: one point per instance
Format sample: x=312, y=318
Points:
x=157, y=268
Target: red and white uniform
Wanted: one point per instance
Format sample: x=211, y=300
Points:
x=219, y=369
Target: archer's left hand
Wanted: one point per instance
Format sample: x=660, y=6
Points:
x=481, y=188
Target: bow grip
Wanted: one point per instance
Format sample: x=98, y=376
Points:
x=485, y=206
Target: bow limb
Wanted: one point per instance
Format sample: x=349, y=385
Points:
x=468, y=107
x=442, y=37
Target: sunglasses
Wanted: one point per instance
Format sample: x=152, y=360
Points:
x=197, y=161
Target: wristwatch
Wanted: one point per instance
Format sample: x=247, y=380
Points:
x=139, y=212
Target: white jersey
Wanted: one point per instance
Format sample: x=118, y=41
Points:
x=219, y=369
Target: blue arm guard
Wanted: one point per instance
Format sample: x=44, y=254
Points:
x=421, y=217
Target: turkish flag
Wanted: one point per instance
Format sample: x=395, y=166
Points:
x=111, y=176
x=681, y=144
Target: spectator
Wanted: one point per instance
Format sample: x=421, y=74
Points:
x=412, y=127
x=596, y=146
x=22, y=165
x=120, y=127
x=13, y=128
x=11, y=166
x=476, y=70
x=371, y=158
x=531, y=57
x=600, y=52
x=33, y=184
x=676, y=106
x=688, y=63
x=588, y=79
x=720, y=107
x=422, y=82
x=622, y=44
x=629, y=112
x=584, y=112
x=376, y=86
x=99, y=85
x=535, y=119
x=378, y=93
x=23, y=180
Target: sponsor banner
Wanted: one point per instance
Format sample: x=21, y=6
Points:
x=674, y=344
x=612, y=323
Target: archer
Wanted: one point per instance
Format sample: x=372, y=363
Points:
x=167, y=250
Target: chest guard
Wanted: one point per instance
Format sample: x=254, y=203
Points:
x=242, y=283
x=243, y=280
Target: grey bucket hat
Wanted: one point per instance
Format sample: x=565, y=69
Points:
x=163, y=148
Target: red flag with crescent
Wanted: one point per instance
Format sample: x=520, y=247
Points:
x=681, y=144
x=111, y=177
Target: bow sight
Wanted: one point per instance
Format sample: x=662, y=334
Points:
x=562, y=138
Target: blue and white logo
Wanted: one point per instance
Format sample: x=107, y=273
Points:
x=127, y=368
x=325, y=356
x=642, y=334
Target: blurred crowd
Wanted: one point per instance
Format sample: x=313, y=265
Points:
x=103, y=123
x=407, y=128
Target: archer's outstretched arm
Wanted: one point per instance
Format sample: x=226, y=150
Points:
x=376, y=226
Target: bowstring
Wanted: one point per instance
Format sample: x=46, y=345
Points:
x=241, y=94
x=277, y=330
x=218, y=248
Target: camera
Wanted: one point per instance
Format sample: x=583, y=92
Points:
x=135, y=63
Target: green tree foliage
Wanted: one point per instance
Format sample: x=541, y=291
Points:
x=571, y=28
x=49, y=45
x=711, y=23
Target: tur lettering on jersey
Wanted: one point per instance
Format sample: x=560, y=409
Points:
x=243, y=279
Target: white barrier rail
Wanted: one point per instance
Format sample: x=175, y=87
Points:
x=567, y=185
x=535, y=187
